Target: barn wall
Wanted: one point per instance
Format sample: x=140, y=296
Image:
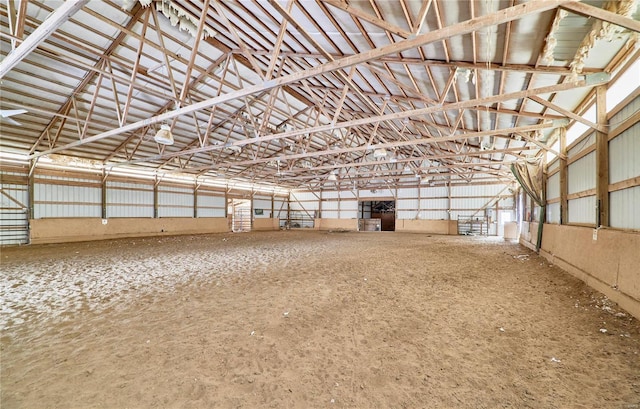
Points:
x=432, y=209
x=266, y=224
x=428, y=226
x=336, y=224
x=59, y=230
x=612, y=264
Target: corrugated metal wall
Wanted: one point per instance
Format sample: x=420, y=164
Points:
x=624, y=164
x=262, y=204
x=67, y=197
x=175, y=201
x=211, y=204
x=129, y=199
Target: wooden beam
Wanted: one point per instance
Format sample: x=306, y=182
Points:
x=343, y=6
x=566, y=113
x=602, y=159
x=500, y=17
x=564, y=178
x=44, y=30
x=589, y=11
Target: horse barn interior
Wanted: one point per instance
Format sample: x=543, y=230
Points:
x=320, y=203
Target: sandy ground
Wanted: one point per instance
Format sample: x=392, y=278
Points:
x=307, y=320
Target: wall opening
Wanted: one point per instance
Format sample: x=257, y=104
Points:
x=377, y=215
x=240, y=211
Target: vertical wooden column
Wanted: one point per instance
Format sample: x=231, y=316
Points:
x=320, y=206
x=273, y=207
x=103, y=194
x=31, y=189
x=449, y=200
x=602, y=159
x=155, y=197
x=195, y=199
x=564, y=181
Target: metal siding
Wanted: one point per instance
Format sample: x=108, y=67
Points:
x=365, y=194
x=328, y=206
x=624, y=206
x=553, y=186
x=583, y=210
x=433, y=215
x=329, y=214
x=553, y=166
x=625, y=113
x=52, y=201
x=582, y=145
x=624, y=154
x=211, y=206
x=404, y=204
x=407, y=193
x=434, y=192
x=434, y=204
x=553, y=213
x=348, y=194
x=175, y=202
x=582, y=174
x=125, y=200
x=303, y=196
x=263, y=204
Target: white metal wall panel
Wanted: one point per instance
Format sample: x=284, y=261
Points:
x=434, y=204
x=468, y=203
x=304, y=196
x=434, y=215
x=434, y=191
x=175, y=202
x=553, y=165
x=582, y=145
x=328, y=195
x=476, y=190
x=407, y=204
x=583, y=210
x=407, y=193
x=329, y=214
x=328, y=206
x=264, y=205
x=211, y=206
x=348, y=194
x=624, y=155
x=349, y=205
x=582, y=174
x=624, y=207
x=67, y=201
x=625, y=113
x=368, y=194
x=553, y=213
x=129, y=200
x=553, y=186
x=280, y=209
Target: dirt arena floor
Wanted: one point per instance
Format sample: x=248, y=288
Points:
x=302, y=319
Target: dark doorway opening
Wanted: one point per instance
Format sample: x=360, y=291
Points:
x=377, y=215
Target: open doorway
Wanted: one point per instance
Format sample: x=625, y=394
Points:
x=240, y=211
x=377, y=215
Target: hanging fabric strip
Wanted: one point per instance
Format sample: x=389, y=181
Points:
x=531, y=178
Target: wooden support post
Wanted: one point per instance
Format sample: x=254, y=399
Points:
x=320, y=205
x=31, y=189
x=195, y=200
x=602, y=159
x=155, y=197
x=564, y=180
x=449, y=200
x=273, y=208
x=103, y=194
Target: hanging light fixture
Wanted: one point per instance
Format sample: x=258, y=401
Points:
x=332, y=177
x=164, y=135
